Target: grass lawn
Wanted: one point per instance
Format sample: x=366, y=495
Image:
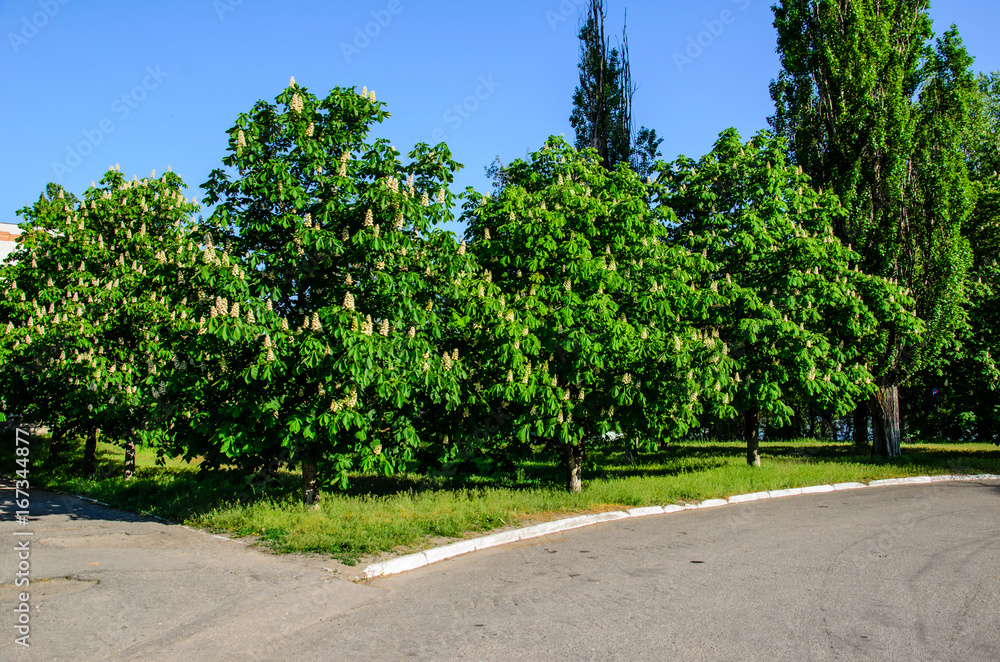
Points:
x=403, y=513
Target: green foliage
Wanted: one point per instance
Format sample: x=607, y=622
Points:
x=601, y=322
x=876, y=112
x=797, y=316
x=602, y=102
x=352, y=310
x=85, y=305
x=871, y=111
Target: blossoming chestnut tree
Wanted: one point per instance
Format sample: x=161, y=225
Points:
x=82, y=315
x=798, y=313
x=604, y=329
x=350, y=284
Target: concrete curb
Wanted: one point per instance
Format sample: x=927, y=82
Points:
x=420, y=559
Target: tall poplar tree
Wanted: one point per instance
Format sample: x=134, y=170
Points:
x=876, y=114
x=602, y=102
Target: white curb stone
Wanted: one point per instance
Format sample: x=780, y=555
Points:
x=448, y=551
x=396, y=565
x=497, y=539
x=420, y=559
x=817, y=489
x=607, y=517
x=642, y=512
x=793, y=491
x=886, y=481
x=553, y=527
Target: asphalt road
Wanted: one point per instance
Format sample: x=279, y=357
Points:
x=888, y=573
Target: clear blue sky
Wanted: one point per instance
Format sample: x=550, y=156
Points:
x=151, y=84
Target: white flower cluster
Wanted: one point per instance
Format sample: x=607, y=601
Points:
x=295, y=105
x=384, y=328
x=349, y=301
x=366, y=326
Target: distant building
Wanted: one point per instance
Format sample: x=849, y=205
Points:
x=8, y=239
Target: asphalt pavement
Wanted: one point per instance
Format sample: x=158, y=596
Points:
x=889, y=573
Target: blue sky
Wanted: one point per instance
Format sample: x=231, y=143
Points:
x=147, y=85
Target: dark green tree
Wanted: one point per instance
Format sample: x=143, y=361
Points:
x=960, y=400
x=344, y=350
x=84, y=310
x=875, y=113
x=798, y=316
x=602, y=102
x=603, y=326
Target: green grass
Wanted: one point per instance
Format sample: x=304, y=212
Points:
x=402, y=513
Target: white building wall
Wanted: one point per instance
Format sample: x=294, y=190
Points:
x=8, y=234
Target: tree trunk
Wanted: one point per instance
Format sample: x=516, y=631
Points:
x=812, y=425
x=861, y=429
x=310, y=483
x=90, y=452
x=751, y=432
x=574, y=467
x=884, y=407
x=55, y=447
x=129, y=460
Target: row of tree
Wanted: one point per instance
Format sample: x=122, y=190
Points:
x=892, y=120
x=319, y=318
